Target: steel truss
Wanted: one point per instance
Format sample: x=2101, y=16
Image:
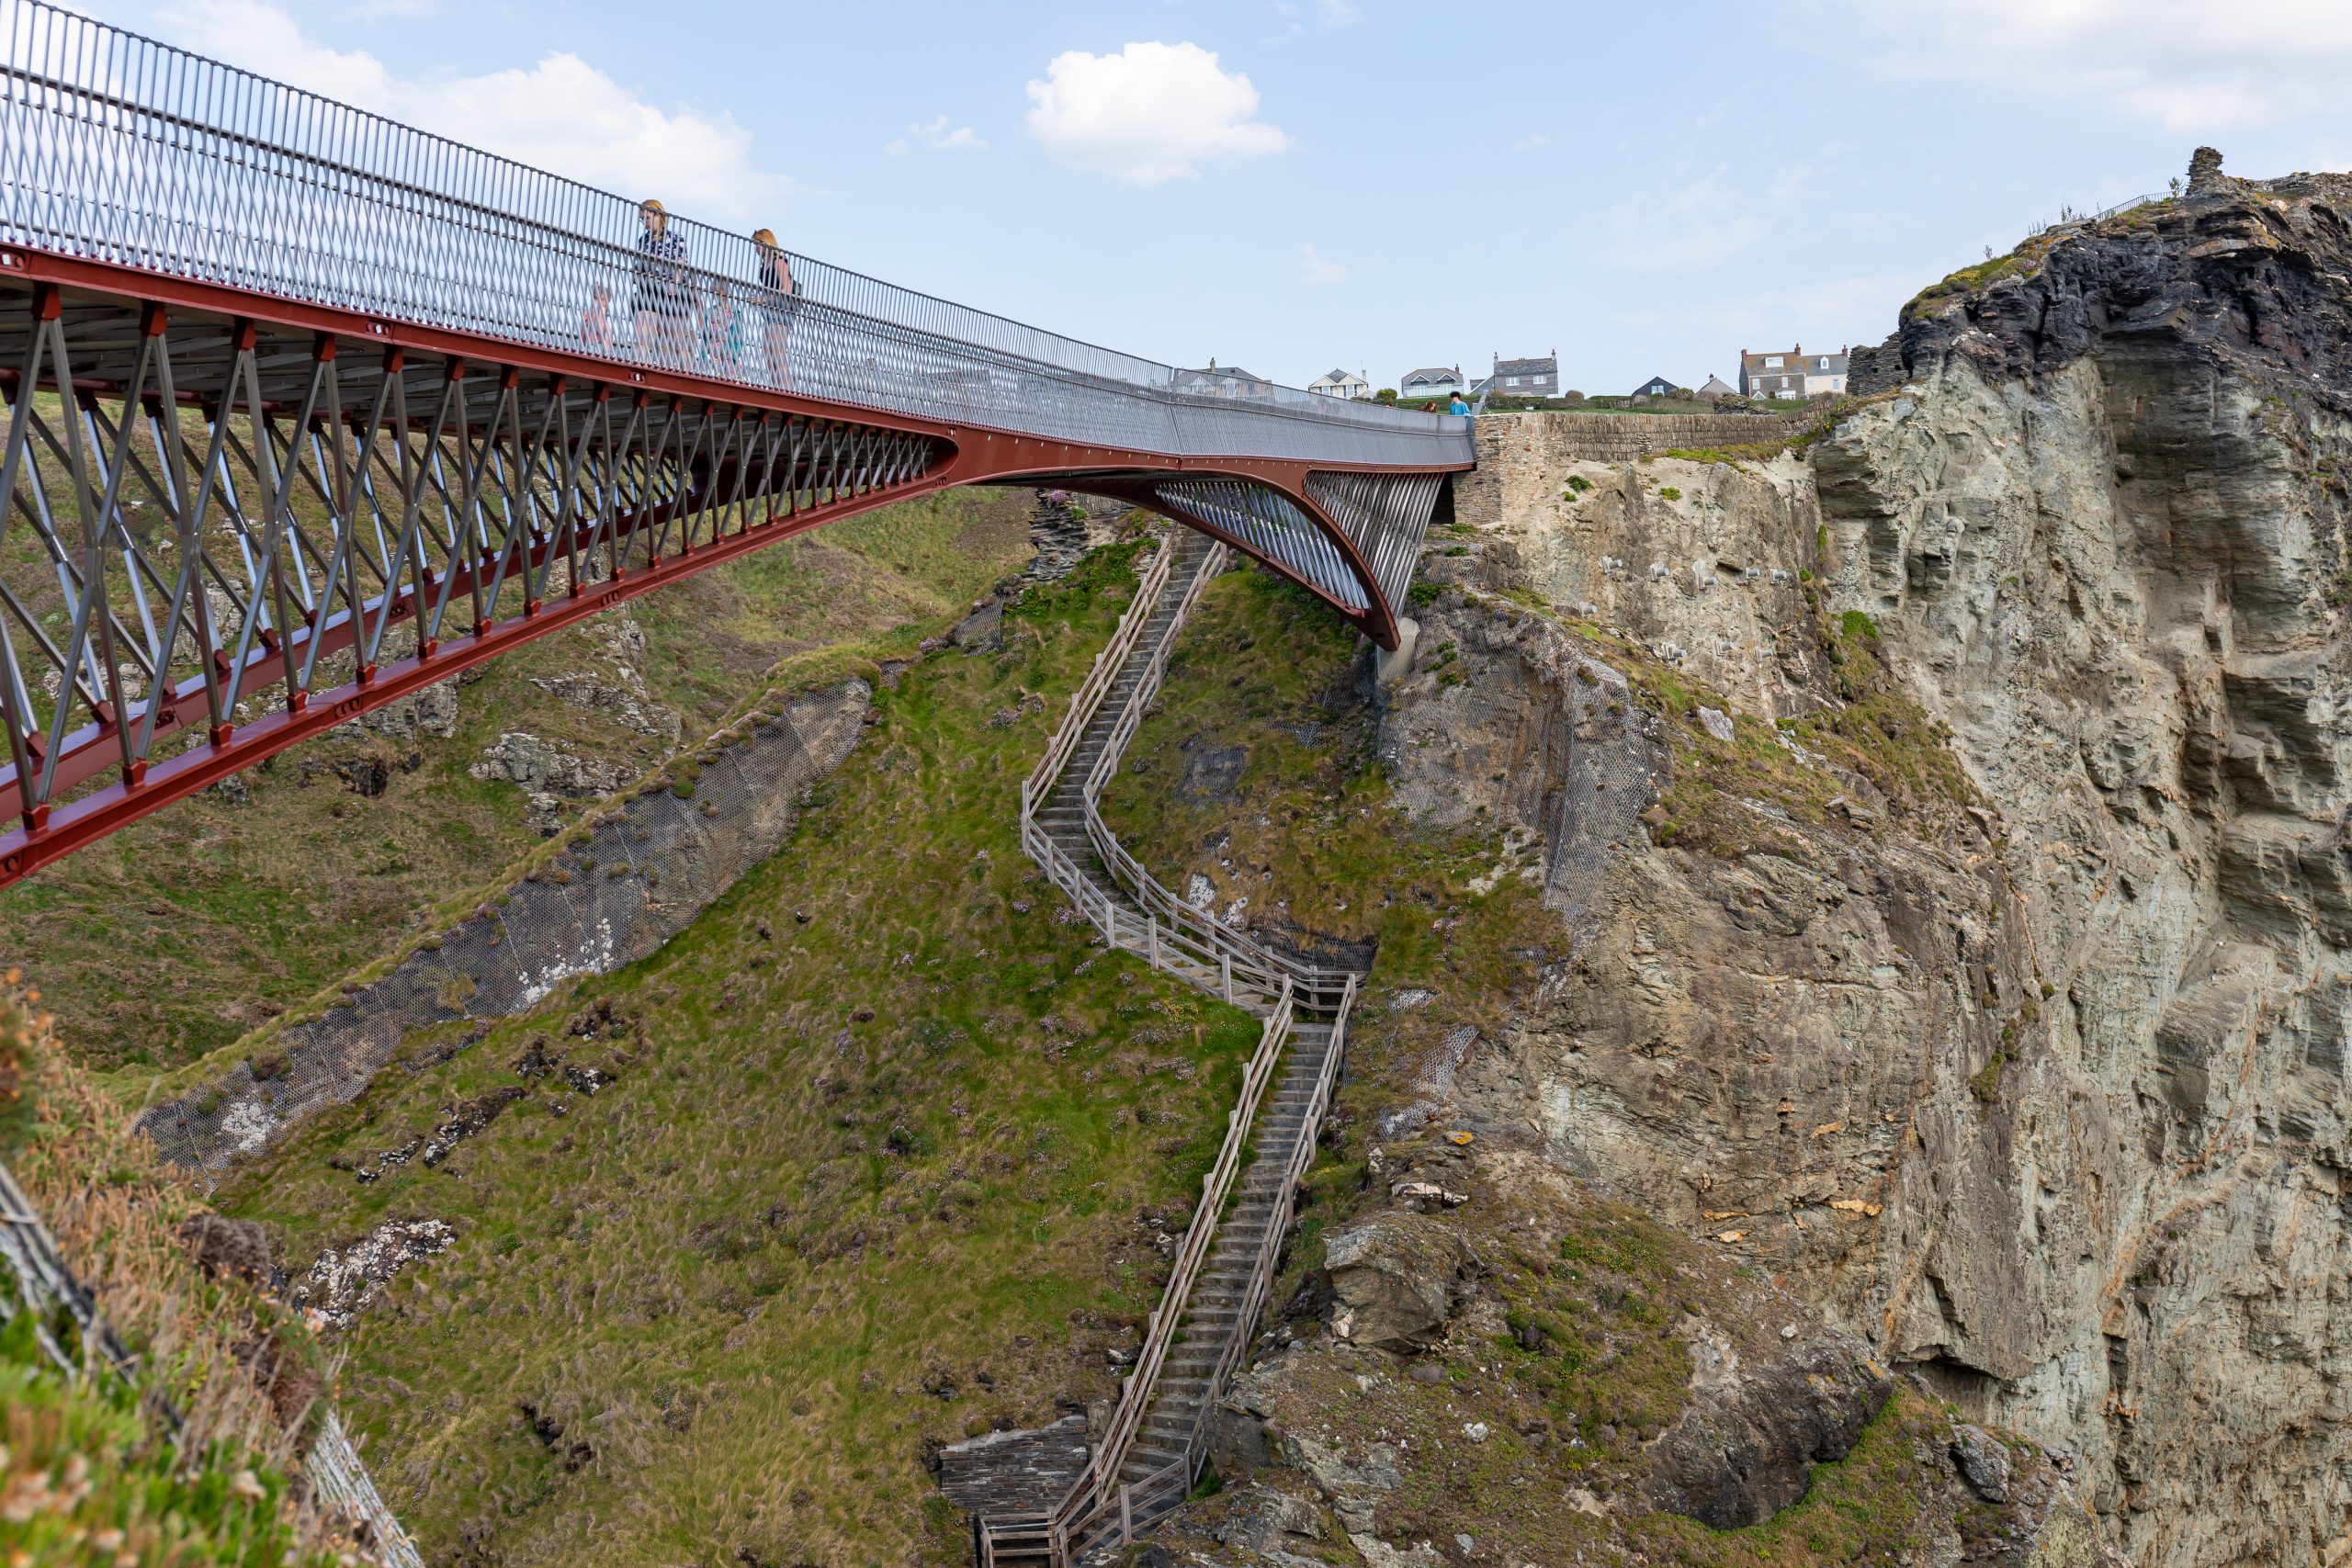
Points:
x=237, y=537
x=302, y=414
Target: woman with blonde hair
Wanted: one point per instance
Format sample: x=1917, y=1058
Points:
x=664, y=297
x=779, y=302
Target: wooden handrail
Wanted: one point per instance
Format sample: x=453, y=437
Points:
x=1094, y=1495
x=1318, y=986
x=1179, y=1474
x=1089, y=696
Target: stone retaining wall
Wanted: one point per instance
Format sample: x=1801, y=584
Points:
x=1623, y=437
x=1014, y=1472
x=1519, y=444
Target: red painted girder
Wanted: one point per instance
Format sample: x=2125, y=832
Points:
x=977, y=456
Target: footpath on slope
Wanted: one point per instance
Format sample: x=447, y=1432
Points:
x=1043, y=1496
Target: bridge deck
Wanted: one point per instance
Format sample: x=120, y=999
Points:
x=352, y=407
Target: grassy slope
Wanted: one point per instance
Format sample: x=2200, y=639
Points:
x=87, y=1475
x=236, y=911
x=1307, y=821
x=1306, y=830
x=761, y=1271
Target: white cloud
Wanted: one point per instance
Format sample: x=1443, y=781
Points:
x=1329, y=14
x=2190, y=65
x=1530, y=141
x=1315, y=272
x=1700, y=224
x=937, y=134
x=562, y=114
x=1148, y=113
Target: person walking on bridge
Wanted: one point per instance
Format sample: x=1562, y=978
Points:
x=779, y=303
x=596, y=321
x=663, y=297
x=723, y=330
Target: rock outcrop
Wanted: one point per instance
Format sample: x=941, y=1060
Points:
x=1398, y=1277
x=1744, y=1447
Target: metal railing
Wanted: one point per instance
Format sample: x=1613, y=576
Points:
x=118, y=148
x=45, y=1287
x=1162, y=928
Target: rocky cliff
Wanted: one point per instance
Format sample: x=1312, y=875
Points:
x=1946, y=810
x=2030, y=1072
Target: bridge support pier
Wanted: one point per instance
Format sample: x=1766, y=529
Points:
x=1392, y=665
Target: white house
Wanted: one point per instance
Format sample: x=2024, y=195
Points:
x=1795, y=374
x=1222, y=381
x=1431, y=381
x=1340, y=384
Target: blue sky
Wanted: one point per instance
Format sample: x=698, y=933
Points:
x=1297, y=184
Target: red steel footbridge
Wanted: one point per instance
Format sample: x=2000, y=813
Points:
x=306, y=409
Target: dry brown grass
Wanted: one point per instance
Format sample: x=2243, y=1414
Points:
x=239, y=1367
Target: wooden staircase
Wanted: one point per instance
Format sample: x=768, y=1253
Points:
x=1145, y=1462
x=1217, y=1317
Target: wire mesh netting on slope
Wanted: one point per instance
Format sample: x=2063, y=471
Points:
x=627, y=887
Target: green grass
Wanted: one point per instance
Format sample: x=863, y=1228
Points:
x=846, y=1159
x=83, y=1449
x=1313, y=839
x=1957, y=285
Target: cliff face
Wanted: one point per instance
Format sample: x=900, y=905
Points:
x=1979, y=964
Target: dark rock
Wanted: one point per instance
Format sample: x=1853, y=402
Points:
x=1980, y=1460
x=1212, y=772
x=982, y=631
x=1263, y=1521
x=574, y=1456
x=1396, y=1280
x=1057, y=533
x=1236, y=1441
x=368, y=777
x=1745, y=1447
x=1013, y=1471
x=223, y=1245
x=2249, y=273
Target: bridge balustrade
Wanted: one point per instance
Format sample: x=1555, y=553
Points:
x=118, y=148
